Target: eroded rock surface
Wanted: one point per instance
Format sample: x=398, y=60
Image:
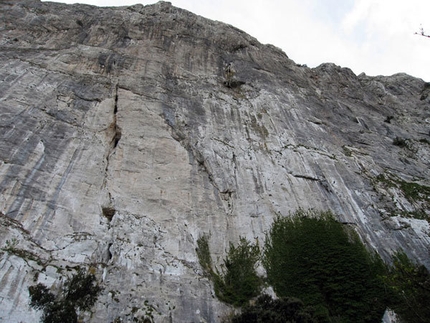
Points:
x=127, y=133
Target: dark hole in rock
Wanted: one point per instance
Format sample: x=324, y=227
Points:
x=232, y=84
x=108, y=212
x=117, y=138
x=109, y=252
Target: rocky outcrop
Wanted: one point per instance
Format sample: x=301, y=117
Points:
x=127, y=133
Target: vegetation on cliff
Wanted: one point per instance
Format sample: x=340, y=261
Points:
x=313, y=257
x=237, y=282
x=410, y=283
x=79, y=293
x=282, y=310
x=321, y=272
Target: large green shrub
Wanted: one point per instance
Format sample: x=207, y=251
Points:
x=313, y=257
x=80, y=292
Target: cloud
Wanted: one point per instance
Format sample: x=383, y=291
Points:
x=384, y=35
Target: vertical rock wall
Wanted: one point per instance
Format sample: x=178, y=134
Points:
x=128, y=133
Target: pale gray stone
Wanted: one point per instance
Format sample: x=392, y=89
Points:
x=124, y=140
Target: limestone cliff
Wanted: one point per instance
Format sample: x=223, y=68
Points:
x=127, y=133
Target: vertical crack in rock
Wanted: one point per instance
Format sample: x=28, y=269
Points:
x=232, y=194
x=115, y=131
x=182, y=136
x=229, y=194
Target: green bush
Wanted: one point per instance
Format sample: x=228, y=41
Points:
x=40, y=296
x=237, y=282
x=80, y=292
x=203, y=253
x=410, y=283
x=313, y=257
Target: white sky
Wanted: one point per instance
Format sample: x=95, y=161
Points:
x=371, y=36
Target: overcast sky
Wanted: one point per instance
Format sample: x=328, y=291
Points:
x=371, y=36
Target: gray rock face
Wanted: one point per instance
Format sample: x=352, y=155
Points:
x=127, y=133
